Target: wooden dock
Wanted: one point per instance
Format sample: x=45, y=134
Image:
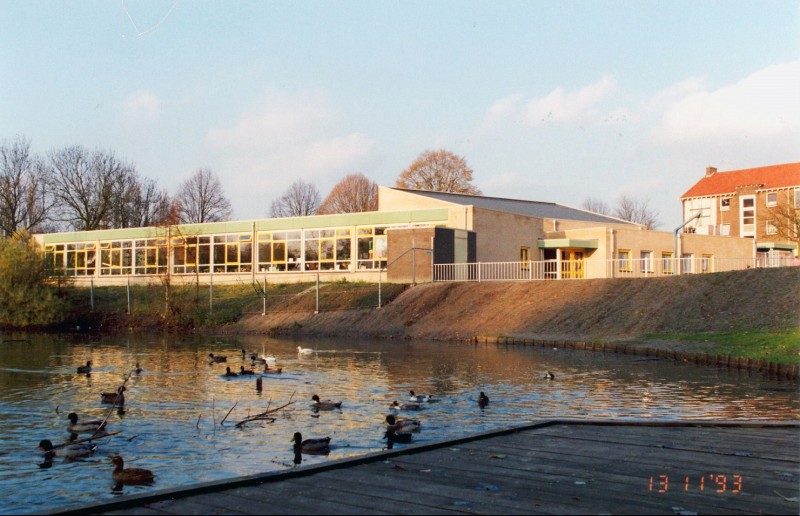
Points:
x=553, y=467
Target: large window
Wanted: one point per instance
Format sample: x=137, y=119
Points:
x=151, y=256
x=279, y=250
x=772, y=199
x=116, y=258
x=77, y=259
x=371, y=247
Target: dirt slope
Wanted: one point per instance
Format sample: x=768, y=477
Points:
x=588, y=309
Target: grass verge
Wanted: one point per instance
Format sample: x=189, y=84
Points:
x=775, y=345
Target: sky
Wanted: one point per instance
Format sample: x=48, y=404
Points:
x=553, y=101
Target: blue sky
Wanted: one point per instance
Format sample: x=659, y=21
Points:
x=550, y=101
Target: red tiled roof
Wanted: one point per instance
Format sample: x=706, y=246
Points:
x=773, y=176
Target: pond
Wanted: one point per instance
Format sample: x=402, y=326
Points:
x=173, y=416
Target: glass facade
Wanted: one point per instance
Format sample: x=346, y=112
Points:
x=330, y=249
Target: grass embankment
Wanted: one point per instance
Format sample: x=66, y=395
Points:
x=211, y=307
x=775, y=345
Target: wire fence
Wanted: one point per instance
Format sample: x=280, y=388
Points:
x=236, y=298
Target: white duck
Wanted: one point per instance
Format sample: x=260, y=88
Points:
x=304, y=351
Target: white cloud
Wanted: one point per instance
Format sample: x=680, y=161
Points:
x=142, y=106
x=763, y=104
x=283, y=138
x=561, y=105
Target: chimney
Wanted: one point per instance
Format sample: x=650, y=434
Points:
x=710, y=171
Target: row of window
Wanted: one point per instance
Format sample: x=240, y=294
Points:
x=771, y=200
x=646, y=262
x=275, y=251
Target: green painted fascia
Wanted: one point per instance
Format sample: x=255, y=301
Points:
x=561, y=243
x=103, y=234
x=371, y=218
x=778, y=246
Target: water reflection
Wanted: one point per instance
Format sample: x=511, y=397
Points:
x=175, y=404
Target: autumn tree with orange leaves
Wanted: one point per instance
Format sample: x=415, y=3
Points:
x=353, y=194
x=438, y=171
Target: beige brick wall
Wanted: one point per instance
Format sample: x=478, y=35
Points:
x=500, y=235
x=404, y=265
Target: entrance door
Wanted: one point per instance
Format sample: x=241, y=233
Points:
x=571, y=264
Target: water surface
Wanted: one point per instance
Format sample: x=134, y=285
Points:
x=175, y=406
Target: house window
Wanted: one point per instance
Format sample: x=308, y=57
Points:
x=706, y=263
x=666, y=263
x=772, y=199
x=772, y=229
x=748, y=216
x=646, y=261
x=797, y=197
x=686, y=263
x=624, y=259
x=725, y=204
x=524, y=254
x=725, y=229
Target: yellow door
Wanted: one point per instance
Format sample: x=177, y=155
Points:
x=571, y=264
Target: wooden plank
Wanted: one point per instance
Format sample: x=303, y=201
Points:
x=555, y=465
x=604, y=496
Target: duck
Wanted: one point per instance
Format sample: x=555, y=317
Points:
x=138, y=369
x=549, y=376
x=85, y=369
x=396, y=405
x=483, y=400
x=244, y=371
x=304, y=351
x=419, y=397
x=319, y=446
x=71, y=451
x=217, y=358
x=268, y=359
x=115, y=398
x=130, y=476
x=228, y=372
x=393, y=436
x=316, y=404
x=272, y=370
x=403, y=425
x=87, y=426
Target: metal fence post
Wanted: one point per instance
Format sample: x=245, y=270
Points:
x=317, y=310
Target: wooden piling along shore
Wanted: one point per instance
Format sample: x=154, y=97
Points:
x=777, y=369
x=552, y=467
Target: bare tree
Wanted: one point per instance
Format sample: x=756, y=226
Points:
x=438, y=171
x=24, y=200
x=139, y=202
x=353, y=194
x=596, y=206
x=299, y=200
x=202, y=199
x=85, y=186
x=785, y=219
x=636, y=210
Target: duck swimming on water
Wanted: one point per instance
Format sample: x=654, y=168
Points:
x=317, y=404
x=320, y=446
x=217, y=358
x=115, y=398
x=419, y=398
x=549, y=376
x=85, y=369
x=228, y=372
x=130, y=476
x=87, y=426
x=403, y=425
x=483, y=400
x=71, y=451
x=396, y=405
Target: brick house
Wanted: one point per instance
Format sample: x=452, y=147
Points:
x=760, y=203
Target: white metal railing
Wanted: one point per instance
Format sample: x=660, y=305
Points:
x=593, y=269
